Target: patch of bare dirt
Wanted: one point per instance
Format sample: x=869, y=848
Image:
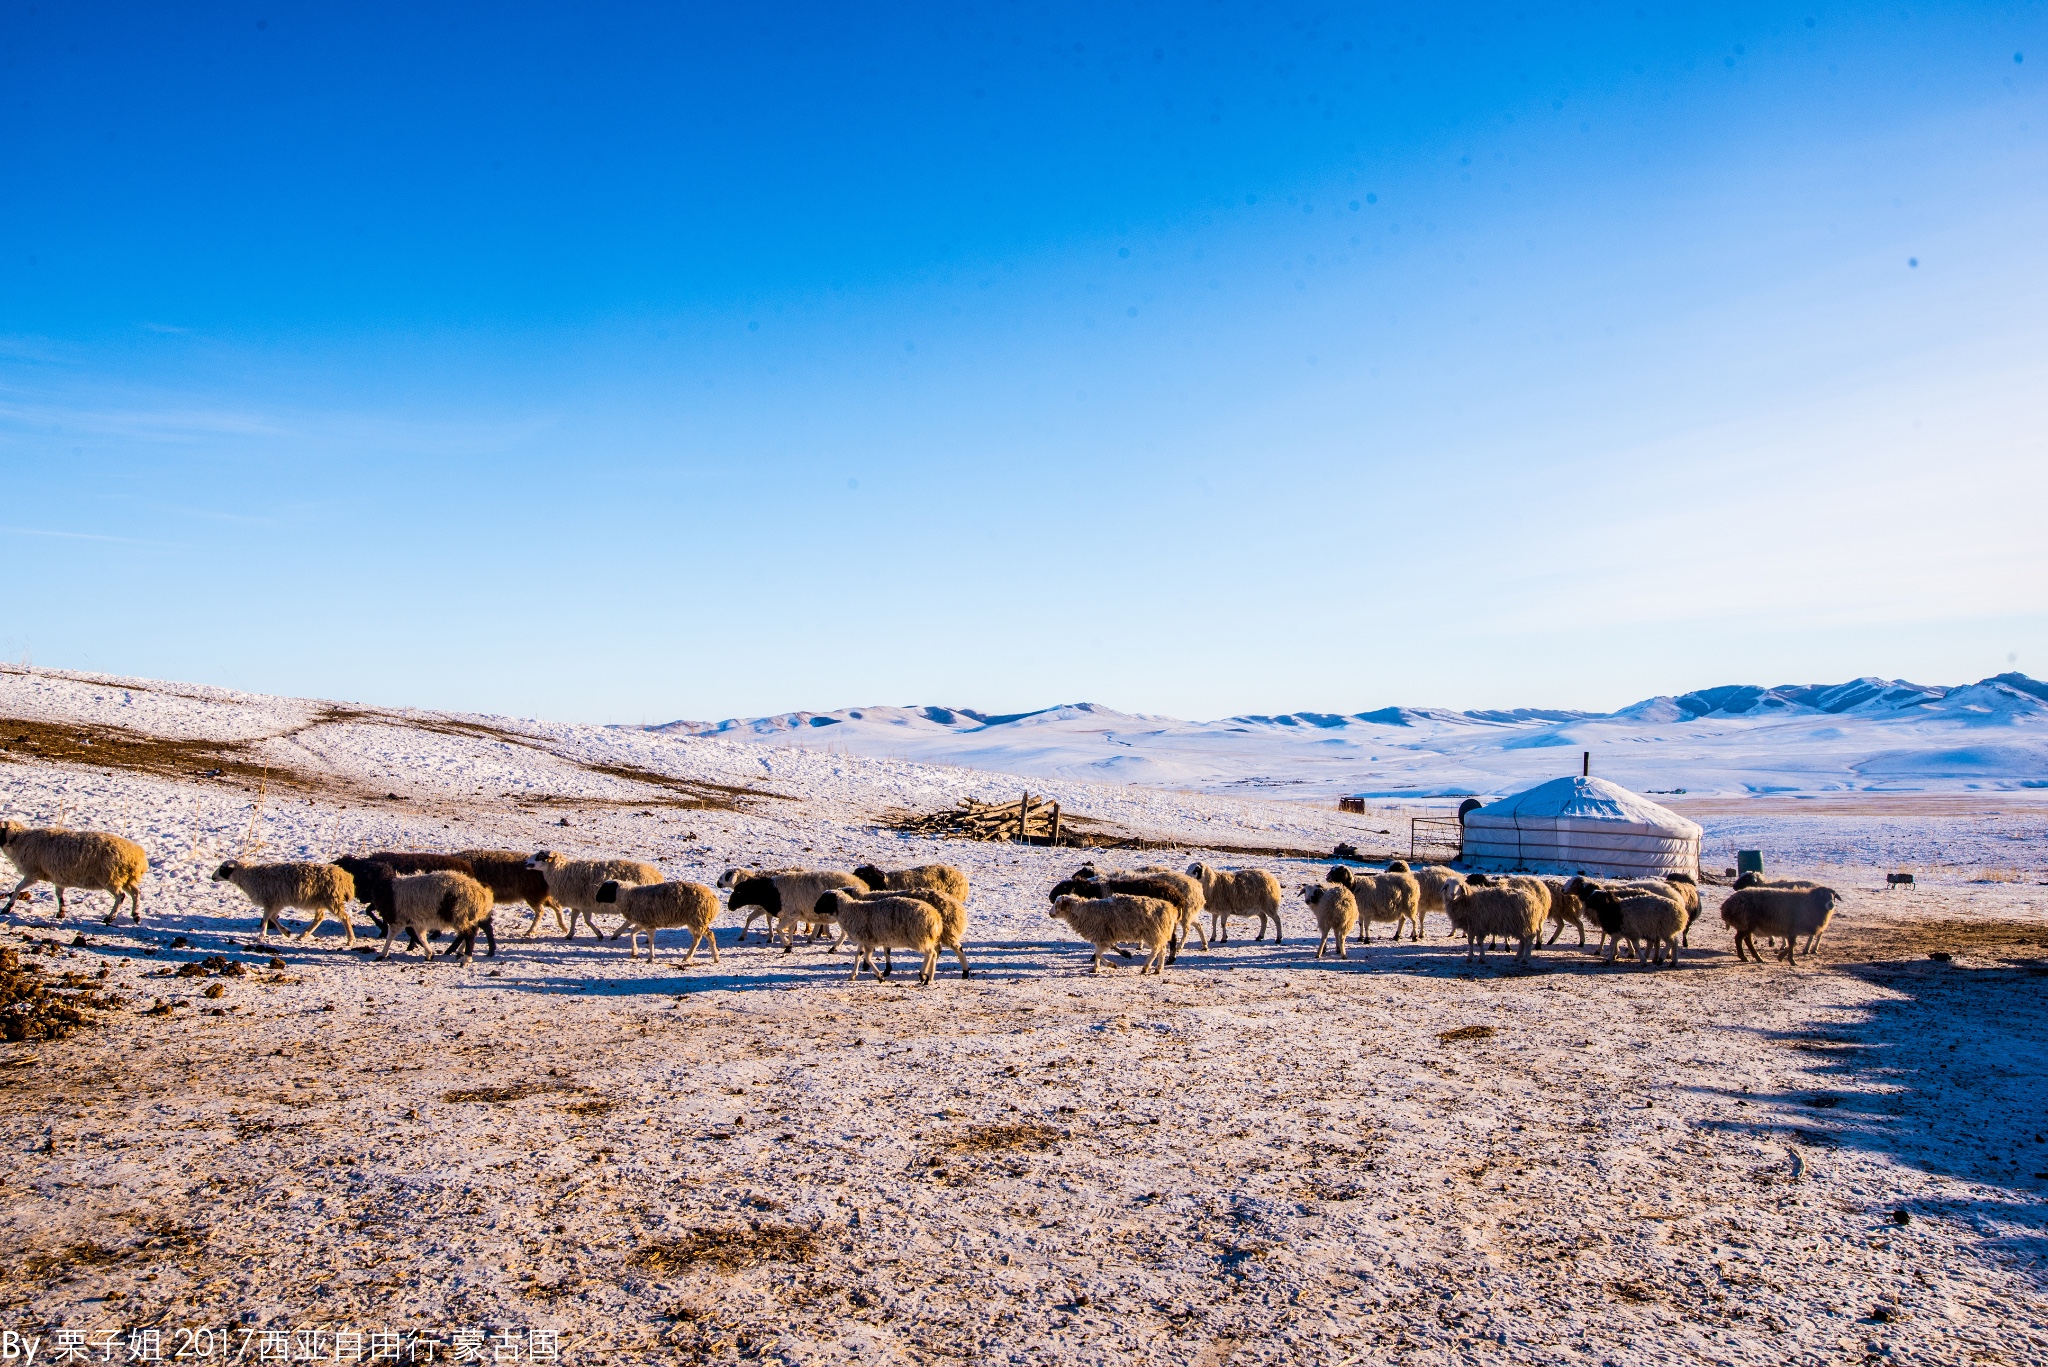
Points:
x=1880, y=940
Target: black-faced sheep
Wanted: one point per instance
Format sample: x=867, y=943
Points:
x=885, y=921
x=432, y=861
x=938, y=877
x=505, y=873
x=1119, y=918
x=574, y=882
x=1781, y=913
x=1513, y=912
x=662, y=906
x=91, y=861
x=1336, y=912
x=1247, y=893
x=425, y=904
x=794, y=897
x=322, y=889
x=1652, y=920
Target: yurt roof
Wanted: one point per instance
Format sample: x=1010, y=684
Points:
x=1578, y=799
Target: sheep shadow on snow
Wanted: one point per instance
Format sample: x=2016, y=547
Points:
x=1962, y=1056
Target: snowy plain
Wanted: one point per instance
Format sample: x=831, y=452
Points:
x=1258, y=1158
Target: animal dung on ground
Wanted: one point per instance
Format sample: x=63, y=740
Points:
x=1465, y=1032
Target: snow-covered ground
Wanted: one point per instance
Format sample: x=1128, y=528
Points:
x=1257, y=1158
x=1869, y=735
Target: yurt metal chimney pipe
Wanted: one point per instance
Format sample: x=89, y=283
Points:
x=1585, y=764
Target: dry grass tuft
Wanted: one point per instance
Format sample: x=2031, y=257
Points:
x=989, y=1138
x=1467, y=1032
x=728, y=1250
x=512, y=1092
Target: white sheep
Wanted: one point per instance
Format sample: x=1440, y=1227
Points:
x=1120, y=918
x=1511, y=911
x=1394, y=896
x=1147, y=880
x=92, y=861
x=1784, y=913
x=885, y=921
x=322, y=889
x=952, y=922
x=574, y=883
x=1336, y=911
x=1247, y=893
x=1565, y=910
x=425, y=903
x=1430, y=881
x=662, y=906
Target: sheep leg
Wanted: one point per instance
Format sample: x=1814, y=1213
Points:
x=60, y=901
x=888, y=961
x=1194, y=923
x=25, y=882
x=1581, y=926
x=931, y=967
x=960, y=953
x=319, y=915
x=1096, y=966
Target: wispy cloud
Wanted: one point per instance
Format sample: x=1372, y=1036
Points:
x=89, y=536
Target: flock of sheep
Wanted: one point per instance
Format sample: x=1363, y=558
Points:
x=922, y=910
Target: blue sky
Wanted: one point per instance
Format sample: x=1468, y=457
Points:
x=632, y=363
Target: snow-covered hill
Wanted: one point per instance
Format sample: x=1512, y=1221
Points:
x=1871, y=735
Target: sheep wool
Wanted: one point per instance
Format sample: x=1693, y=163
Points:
x=505, y=873
x=1118, y=918
x=1336, y=912
x=322, y=889
x=1386, y=897
x=574, y=882
x=1782, y=913
x=650, y=907
x=1512, y=912
x=426, y=903
x=885, y=921
x=937, y=877
x=92, y=861
x=1247, y=893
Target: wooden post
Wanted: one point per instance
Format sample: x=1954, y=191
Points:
x=1024, y=819
x=1055, y=825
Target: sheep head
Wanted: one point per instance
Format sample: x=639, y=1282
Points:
x=226, y=871
x=608, y=891
x=872, y=876
x=545, y=859
x=10, y=829
x=1339, y=874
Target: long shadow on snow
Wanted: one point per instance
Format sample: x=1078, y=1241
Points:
x=1959, y=1053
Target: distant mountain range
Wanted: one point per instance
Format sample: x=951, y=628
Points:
x=1868, y=734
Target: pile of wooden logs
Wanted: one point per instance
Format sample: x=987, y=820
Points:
x=1031, y=820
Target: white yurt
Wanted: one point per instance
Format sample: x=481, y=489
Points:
x=1581, y=825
